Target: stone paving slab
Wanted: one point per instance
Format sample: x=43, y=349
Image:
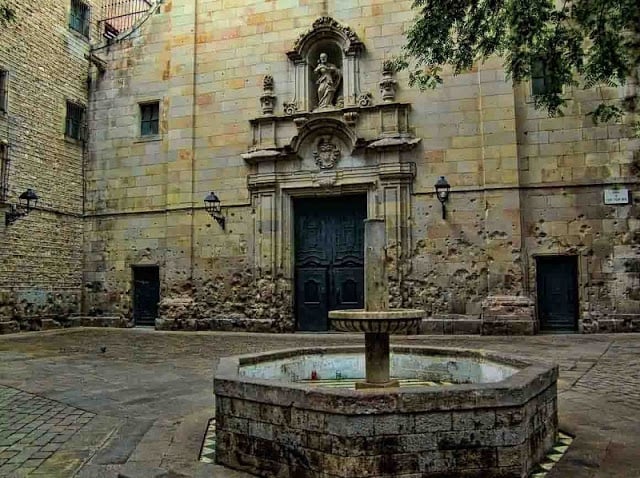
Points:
x=33, y=429
x=158, y=385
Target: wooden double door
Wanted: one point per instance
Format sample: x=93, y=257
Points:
x=329, y=258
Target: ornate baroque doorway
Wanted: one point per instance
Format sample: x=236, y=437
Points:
x=329, y=257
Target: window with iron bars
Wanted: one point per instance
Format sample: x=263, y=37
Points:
x=540, y=82
x=149, y=118
x=4, y=91
x=4, y=170
x=79, y=17
x=74, y=123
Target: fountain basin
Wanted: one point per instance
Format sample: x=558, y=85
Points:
x=496, y=418
x=392, y=321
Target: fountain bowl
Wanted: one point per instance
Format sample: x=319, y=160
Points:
x=485, y=415
x=391, y=321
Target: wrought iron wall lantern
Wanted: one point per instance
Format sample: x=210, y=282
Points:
x=26, y=202
x=213, y=207
x=442, y=188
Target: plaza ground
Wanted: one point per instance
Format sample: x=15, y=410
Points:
x=98, y=402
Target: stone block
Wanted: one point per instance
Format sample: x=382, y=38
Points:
x=104, y=321
x=473, y=420
x=508, y=315
x=9, y=327
x=432, y=327
x=432, y=422
x=50, y=324
x=451, y=324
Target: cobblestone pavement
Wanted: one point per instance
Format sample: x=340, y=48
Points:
x=33, y=428
x=92, y=403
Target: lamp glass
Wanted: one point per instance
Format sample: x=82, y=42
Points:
x=28, y=199
x=212, y=203
x=442, y=188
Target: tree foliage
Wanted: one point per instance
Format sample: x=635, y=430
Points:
x=584, y=43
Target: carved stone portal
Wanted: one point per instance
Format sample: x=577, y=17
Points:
x=327, y=154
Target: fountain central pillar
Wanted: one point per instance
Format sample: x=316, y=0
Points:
x=376, y=299
x=377, y=321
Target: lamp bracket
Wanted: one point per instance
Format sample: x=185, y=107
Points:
x=220, y=220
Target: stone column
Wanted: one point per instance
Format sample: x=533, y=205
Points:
x=376, y=299
x=376, y=296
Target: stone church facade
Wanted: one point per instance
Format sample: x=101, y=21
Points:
x=288, y=112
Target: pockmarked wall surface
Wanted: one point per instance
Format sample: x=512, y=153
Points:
x=240, y=114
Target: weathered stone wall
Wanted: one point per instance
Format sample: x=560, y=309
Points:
x=41, y=254
x=205, y=64
x=565, y=165
x=605, y=239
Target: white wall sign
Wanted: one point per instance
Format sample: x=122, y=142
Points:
x=616, y=196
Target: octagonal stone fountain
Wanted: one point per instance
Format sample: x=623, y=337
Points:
x=378, y=412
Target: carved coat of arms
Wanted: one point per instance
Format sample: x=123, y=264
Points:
x=327, y=154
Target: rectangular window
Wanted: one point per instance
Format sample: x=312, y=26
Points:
x=4, y=91
x=74, y=125
x=540, y=82
x=149, y=118
x=79, y=17
x=4, y=170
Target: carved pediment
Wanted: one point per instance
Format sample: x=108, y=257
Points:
x=322, y=29
x=383, y=127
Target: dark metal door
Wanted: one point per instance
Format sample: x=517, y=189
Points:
x=557, y=283
x=146, y=294
x=329, y=255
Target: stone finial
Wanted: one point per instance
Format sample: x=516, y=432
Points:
x=268, y=99
x=388, y=84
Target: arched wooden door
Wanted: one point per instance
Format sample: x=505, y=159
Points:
x=329, y=258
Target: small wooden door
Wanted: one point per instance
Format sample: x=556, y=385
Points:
x=557, y=283
x=146, y=294
x=329, y=255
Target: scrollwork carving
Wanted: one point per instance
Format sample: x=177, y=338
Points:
x=365, y=99
x=290, y=107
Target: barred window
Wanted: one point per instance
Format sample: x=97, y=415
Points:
x=79, y=17
x=4, y=170
x=540, y=82
x=4, y=91
x=74, y=124
x=149, y=118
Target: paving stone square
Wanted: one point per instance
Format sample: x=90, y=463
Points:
x=94, y=403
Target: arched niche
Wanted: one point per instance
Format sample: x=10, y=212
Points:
x=343, y=48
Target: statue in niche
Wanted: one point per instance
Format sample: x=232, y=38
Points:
x=329, y=77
